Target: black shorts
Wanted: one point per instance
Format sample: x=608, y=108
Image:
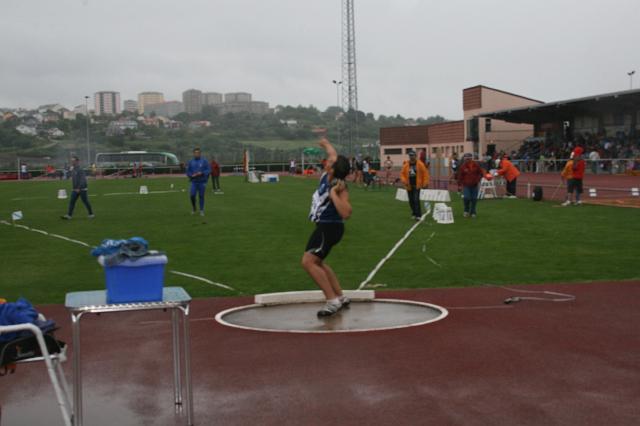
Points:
x=574, y=184
x=323, y=238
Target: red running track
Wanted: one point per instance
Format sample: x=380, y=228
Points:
x=530, y=363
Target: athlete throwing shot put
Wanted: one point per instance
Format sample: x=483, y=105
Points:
x=330, y=207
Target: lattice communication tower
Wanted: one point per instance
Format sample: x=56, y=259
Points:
x=349, y=74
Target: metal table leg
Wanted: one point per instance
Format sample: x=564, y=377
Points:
x=187, y=365
x=177, y=374
x=77, y=373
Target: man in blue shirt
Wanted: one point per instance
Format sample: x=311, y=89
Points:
x=198, y=171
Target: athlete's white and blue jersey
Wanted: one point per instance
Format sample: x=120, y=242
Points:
x=329, y=224
x=322, y=208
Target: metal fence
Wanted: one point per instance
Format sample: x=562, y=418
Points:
x=607, y=166
x=146, y=171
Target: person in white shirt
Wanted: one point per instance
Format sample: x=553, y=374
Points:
x=594, y=157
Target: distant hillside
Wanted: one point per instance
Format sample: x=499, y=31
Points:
x=272, y=138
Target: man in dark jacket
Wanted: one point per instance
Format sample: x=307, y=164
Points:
x=79, y=184
x=469, y=176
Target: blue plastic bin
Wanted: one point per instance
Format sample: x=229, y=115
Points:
x=141, y=280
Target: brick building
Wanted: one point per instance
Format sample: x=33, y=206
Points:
x=473, y=134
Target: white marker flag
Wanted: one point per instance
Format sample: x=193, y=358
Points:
x=16, y=215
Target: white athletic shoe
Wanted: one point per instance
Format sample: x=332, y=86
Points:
x=201, y=212
x=578, y=203
x=345, y=301
x=465, y=214
x=566, y=203
x=329, y=309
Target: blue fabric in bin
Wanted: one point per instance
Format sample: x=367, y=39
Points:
x=139, y=280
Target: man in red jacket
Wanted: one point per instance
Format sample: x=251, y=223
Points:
x=215, y=175
x=469, y=176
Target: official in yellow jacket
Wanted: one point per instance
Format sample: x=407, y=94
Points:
x=414, y=176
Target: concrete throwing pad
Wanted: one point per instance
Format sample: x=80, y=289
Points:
x=372, y=315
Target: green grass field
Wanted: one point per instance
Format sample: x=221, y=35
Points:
x=253, y=237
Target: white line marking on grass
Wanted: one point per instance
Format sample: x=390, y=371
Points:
x=195, y=277
x=164, y=192
x=82, y=243
x=71, y=240
x=40, y=231
x=119, y=193
x=433, y=261
x=391, y=253
x=29, y=198
x=111, y=194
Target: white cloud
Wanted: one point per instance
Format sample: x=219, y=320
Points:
x=414, y=57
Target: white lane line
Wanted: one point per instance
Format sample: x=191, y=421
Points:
x=195, y=277
x=391, y=253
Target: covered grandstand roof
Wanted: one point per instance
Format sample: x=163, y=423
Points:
x=628, y=100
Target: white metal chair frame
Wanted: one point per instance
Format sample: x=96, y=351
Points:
x=52, y=362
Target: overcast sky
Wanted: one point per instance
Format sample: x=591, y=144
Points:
x=414, y=56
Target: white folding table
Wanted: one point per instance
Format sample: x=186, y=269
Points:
x=95, y=302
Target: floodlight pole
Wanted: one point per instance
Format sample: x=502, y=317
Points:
x=86, y=106
x=338, y=83
x=630, y=74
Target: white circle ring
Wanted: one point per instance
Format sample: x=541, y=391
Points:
x=443, y=314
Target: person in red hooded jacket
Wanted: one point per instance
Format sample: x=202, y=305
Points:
x=215, y=175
